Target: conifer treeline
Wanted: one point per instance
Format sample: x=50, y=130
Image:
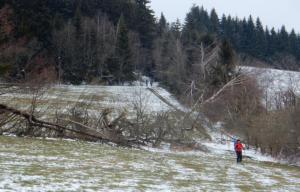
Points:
x=83, y=39
x=246, y=35
x=40, y=17
x=87, y=39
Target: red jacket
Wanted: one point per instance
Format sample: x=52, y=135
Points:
x=239, y=147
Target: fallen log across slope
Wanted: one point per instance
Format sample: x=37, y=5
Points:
x=83, y=130
x=165, y=100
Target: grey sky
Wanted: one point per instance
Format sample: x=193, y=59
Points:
x=273, y=13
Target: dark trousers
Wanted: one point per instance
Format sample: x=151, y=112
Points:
x=239, y=156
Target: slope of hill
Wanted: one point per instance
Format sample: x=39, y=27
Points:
x=41, y=165
x=65, y=97
x=275, y=80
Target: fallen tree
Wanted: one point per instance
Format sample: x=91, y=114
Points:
x=114, y=136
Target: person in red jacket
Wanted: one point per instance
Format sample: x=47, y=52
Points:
x=239, y=149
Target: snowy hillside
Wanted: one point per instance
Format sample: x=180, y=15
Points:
x=274, y=80
x=29, y=164
x=274, y=83
x=64, y=97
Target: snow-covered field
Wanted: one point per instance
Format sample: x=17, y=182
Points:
x=57, y=165
x=96, y=98
x=274, y=81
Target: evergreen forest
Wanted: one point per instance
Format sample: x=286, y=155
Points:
x=112, y=41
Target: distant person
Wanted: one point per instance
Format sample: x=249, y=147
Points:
x=239, y=150
x=147, y=82
x=151, y=82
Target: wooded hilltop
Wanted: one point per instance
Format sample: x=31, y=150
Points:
x=92, y=40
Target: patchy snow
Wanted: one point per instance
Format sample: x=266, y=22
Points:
x=45, y=165
x=222, y=143
x=274, y=81
x=115, y=97
x=54, y=164
x=219, y=148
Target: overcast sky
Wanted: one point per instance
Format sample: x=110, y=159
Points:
x=273, y=13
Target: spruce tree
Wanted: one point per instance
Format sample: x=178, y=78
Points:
x=250, y=31
x=124, y=69
x=283, y=40
x=204, y=21
x=145, y=22
x=215, y=23
x=298, y=47
x=244, y=39
x=260, y=40
x=268, y=42
x=223, y=25
x=176, y=29
x=162, y=25
x=273, y=42
x=293, y=43
x=197, y=19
